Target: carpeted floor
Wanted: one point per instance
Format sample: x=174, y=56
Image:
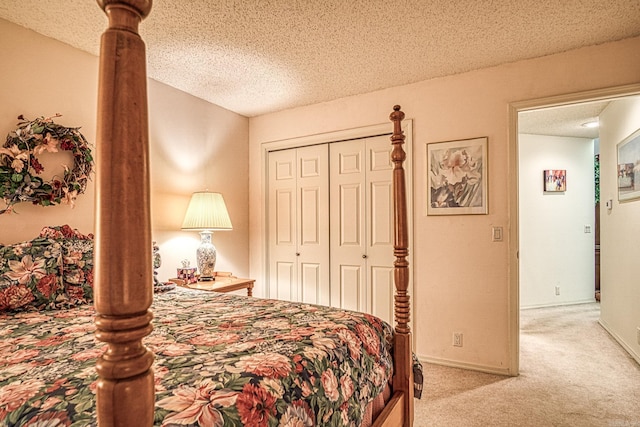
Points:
x=572, y=373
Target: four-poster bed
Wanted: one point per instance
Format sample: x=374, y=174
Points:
x=315, y=375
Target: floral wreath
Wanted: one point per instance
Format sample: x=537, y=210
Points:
x=19, y=165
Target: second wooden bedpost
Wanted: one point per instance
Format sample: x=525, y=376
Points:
x=123, y=251
x=403, y=350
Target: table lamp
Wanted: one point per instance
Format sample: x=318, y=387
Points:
x=206, y=213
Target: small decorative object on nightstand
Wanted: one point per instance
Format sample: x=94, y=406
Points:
x=159, y=286
x=157, y=262
x=187, y=273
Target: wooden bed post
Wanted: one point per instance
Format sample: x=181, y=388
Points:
x=123, y=252
x=403, y=351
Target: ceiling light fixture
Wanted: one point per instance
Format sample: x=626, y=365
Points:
x=591, y=124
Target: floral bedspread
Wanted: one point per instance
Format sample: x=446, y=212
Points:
x=221, y=360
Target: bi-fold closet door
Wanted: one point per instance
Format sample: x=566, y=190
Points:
x=330, y=225
x=361, y=233
x=298, y=224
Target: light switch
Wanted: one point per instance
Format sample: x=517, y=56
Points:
x=496, y=234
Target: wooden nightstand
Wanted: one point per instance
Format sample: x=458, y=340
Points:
x=221, y=284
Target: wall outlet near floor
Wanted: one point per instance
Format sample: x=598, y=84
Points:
x=457, y=339
x=557, y=290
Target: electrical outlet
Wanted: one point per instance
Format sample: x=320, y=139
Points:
x=457, y=339
x=587, y=229
x=557, y=290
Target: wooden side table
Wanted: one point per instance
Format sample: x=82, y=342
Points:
x=221, y=284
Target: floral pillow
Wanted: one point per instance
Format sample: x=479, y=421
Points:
x=30, y=276
x=77, y=252
x=64, y=232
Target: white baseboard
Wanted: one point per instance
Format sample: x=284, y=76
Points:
x=558, y=304
x=620, y=341
x=465, y=365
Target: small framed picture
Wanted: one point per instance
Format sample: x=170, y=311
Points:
x=628, y=151
x=457, y=177
x=555, y=180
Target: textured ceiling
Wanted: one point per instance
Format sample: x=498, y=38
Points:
x=562, y=121
x=255, y=57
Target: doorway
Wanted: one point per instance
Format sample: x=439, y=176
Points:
x=569, y=102
x=556, y=152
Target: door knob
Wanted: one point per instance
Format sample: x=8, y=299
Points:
x=297, y=253
x=364, y=256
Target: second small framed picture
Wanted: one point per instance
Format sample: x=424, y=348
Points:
x=629, y=167
x=457, y=177
x=555, y=180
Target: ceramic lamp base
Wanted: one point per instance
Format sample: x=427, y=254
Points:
x=206, y=256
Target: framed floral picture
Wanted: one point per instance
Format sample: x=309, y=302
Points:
x=457, y=177
x=629, y=167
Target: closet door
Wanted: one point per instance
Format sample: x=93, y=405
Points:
x=362, y=226
x=348, y=239
x=379, y=215
x=299, y=224
x=282, y=226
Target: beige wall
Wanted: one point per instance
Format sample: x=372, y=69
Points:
x=194, y=145
x=461, y=277
x=42, y=77
x=197, y=146
x=619, y=232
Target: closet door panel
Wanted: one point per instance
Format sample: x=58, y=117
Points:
x=313, y=223
x=381, y=223
x=350, y=200
x=352, y=289
x=382, y=289
x=281, y=224
x=348, y=255
x=284, y=285
x=379, y=231
x=285, y=217
x=311, y=285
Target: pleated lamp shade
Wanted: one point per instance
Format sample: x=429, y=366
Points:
x=207, y=211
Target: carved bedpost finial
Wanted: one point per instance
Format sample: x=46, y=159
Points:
x=396, y=113
x=125, y=14
x=397, y=116
x=142, y=7
x=397, y=139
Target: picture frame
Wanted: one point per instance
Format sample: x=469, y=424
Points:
x=554, y=180
x=457, y=177
x=628, y=167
